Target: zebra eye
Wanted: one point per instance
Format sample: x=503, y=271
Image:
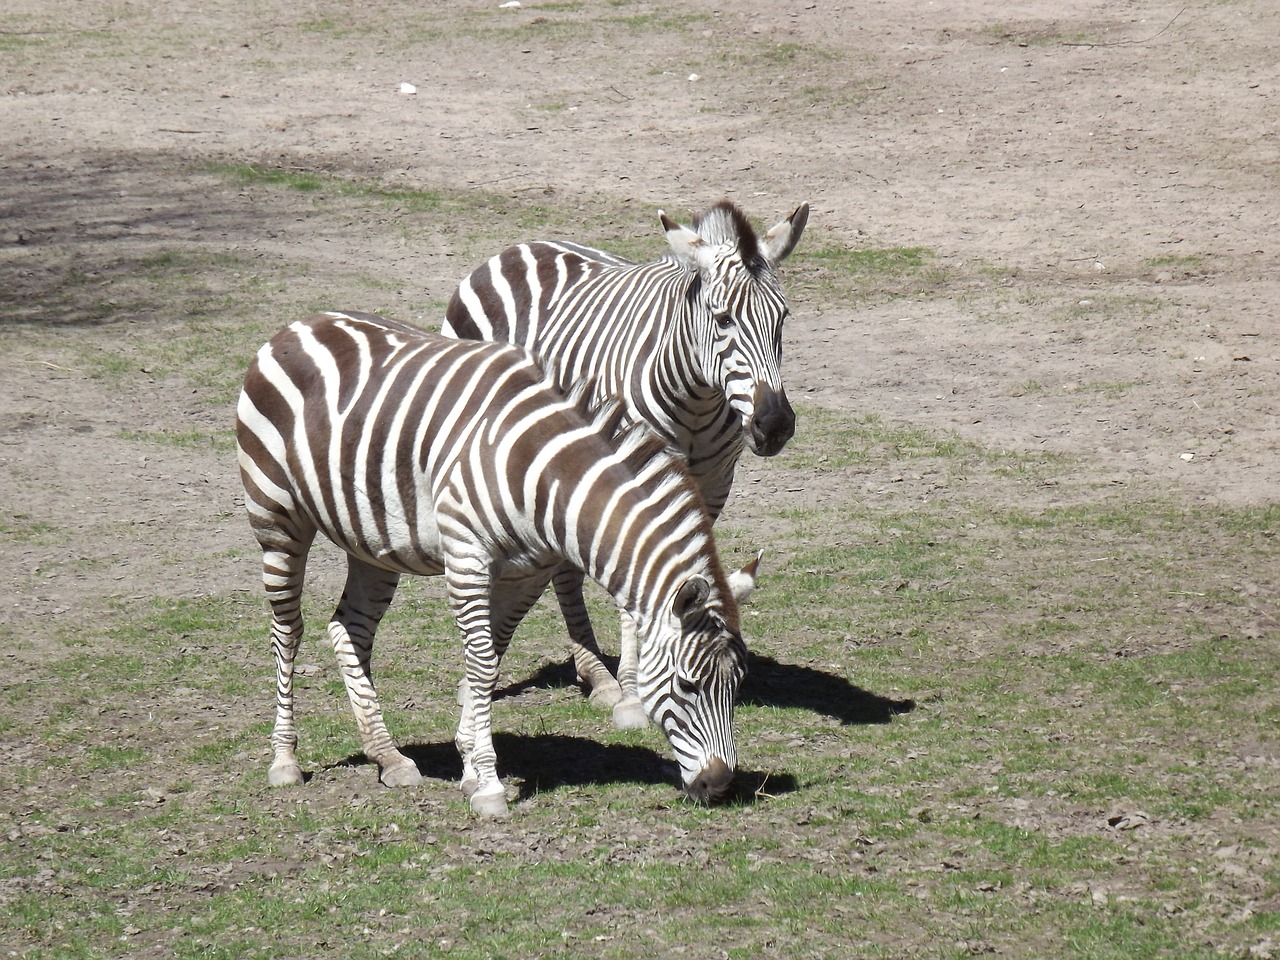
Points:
x=724, y=320
x=686, y=686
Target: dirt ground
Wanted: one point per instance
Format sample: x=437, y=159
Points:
x=1105, y=174
x=1098, y=182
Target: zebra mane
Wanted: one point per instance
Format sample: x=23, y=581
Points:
x=725, y=223
x=606, y=414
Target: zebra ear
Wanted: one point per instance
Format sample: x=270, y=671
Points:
x=742, y=582
x=782, y=239
x=686, y=244
x=691, y=598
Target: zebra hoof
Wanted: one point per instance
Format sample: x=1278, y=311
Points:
x=401, y=775
x=285, y=774
x=490, y=806
x=629, y=715
x=605, y=697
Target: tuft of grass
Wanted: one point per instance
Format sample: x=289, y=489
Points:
x=24, y=528
x=874, y=261
x=1175, y=260
x=218, y=441
x=878, y=273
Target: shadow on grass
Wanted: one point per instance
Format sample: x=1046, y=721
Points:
x=546, y=762
x=769, y=683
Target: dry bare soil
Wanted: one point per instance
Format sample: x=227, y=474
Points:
x=1073, y=209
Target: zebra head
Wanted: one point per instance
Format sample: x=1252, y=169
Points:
x=688, y=684
x=738, y=309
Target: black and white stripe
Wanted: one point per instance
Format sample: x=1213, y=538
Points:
x=691, y=344
x=424, y=455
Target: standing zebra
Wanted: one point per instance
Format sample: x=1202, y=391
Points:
x=691, y=344
x=423, y=455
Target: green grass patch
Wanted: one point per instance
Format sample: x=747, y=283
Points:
x=871, y=274
x=1175, y=260
x=1068, y=664
x=872, y=262
x=24, y=528
x=829, y=441
x=220, y=441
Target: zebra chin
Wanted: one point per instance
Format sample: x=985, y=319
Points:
x=772, y=422
x=712, y=785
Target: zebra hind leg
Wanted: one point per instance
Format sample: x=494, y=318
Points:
x=591, y=671
x=365, y=599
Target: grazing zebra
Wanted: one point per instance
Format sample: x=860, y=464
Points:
x=691, y=343
x=423, y=455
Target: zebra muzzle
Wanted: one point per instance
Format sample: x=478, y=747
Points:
x=772, y=422
x=711, y=785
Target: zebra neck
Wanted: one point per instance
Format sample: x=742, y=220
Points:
x=634, y=523
x=677, y=376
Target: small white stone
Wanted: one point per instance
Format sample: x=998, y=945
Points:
x=1188, y=457
x=694, y=78
x=509, y=5
x=408, y=88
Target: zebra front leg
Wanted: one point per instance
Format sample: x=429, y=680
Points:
x=480, y=784
x=470, y=585
x=282, y=575
x=365, y=599
x=605, y=691
x=488, y=610
x=628, y=713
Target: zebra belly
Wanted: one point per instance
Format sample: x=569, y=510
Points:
x=390, y=542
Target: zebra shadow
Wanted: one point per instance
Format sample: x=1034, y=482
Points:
x=542, y=763
x=769, y=683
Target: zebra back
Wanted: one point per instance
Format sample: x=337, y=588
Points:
x=381, y=435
